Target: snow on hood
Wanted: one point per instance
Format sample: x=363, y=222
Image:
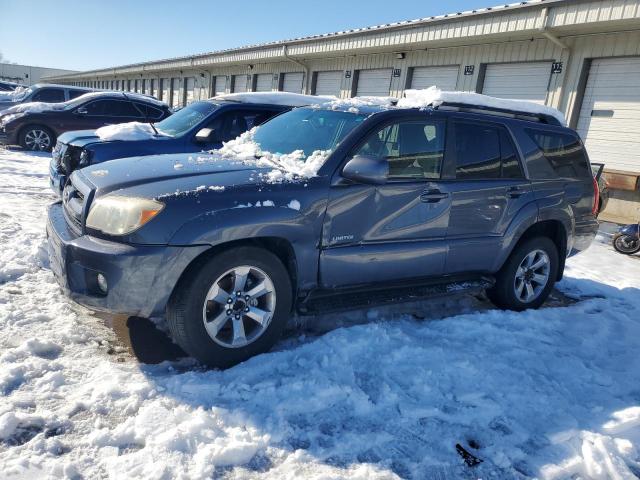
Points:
x=34, y=107
x=127, y=131
x=285, y=167
x=276, y=98
x=433, y=96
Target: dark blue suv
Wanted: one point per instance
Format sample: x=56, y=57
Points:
x=200, y=126
x=322, y=208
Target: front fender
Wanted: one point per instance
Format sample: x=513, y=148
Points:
x=301, y=229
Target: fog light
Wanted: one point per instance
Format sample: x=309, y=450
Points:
x=102, y=283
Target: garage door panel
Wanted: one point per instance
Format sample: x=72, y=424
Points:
x=445, y=78
x=612, y=139
x=292, y=82
x=221, y=84
x=329, y=83
x=520, y=81
x=240, y=83
x=375, y=82
x=264, y=82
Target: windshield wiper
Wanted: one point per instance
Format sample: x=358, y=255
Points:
x=154, y=128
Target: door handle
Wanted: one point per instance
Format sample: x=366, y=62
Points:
x=432, y=196
x=515, y=192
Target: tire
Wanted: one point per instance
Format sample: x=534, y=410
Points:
x=621, y=247
x=216, y=277
x=37, y=138
x=505, y=293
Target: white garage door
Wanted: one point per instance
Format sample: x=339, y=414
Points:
x=521, y=81
x=292, y=82
x=609, y=121
x=176, y=92
x=239, y=83
x=328, y=83
x=221, y=85
x=264, y=81
x=445, y=78
x=191, y=86
x=374, y=82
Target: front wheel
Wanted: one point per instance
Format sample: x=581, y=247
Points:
x=36, y=138
x=233, y=306
x=527, y=277
x=626, y=244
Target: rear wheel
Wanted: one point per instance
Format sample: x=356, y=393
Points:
x=527, y=277
x=234, y=306
x=626, y=244
x=37, y=138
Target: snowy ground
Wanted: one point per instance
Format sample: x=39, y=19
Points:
x=553, y=393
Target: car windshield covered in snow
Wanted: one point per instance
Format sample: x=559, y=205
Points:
x=306, y=129
x=184, y=119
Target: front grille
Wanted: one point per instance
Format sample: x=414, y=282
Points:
x=74, y=202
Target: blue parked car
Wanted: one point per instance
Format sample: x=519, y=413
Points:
x=322, y=208
x=200, y=126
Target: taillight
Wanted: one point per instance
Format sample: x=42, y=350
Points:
x=596, y=196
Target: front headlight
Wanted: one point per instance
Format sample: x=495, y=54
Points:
x=115, y=215
x=85, y=157
x=5, y=119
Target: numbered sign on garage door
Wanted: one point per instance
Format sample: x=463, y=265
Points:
x=374, y=82
x=221, y=85
x=328, y=83
x=445, y=78
x=263, y=82
x=609, y=119
x=292, y=82
x=520, y=81
x=239, y=83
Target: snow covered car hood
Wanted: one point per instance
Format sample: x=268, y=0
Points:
x=163, y=175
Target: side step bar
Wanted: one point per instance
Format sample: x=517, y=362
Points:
x=326, y=301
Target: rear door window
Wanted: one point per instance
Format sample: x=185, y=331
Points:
x=149, y=112
x=76, y=93
x=119, y=108
x=52, y=95
x=556, y=155
x=484, y=152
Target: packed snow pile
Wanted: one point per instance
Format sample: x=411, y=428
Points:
x=433, y=96
x=127, y=131
x=276, y=98
x=33, y=107
x=285, y=167
x=548, y=394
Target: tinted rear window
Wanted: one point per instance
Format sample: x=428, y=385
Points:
x=558, y=155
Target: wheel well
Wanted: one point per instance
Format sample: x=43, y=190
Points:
x=280, y=247
x=554, y=230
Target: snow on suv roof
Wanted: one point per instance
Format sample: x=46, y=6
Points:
x=434, y=97
x=276, y=98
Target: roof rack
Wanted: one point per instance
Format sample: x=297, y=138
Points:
x=501, y=112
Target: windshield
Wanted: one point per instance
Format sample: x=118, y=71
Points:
x=183, y=120
x=306, y=129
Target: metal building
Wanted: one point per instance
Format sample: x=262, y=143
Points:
x=27, y=74
x=580, y=56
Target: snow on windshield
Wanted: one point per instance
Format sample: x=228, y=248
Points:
x=127, y=131
x=276, y=98
x=433, y=96
x=286, y=167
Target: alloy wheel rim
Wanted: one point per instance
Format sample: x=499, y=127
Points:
x=626, y=246
x=239, y=306
x=37, y=140
x=532, y=276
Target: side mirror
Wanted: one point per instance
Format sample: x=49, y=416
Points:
x=207, y=135
x=367, y=169
x=81, y=111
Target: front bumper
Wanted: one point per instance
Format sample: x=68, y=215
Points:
x=7, y=139
x=140, y=278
